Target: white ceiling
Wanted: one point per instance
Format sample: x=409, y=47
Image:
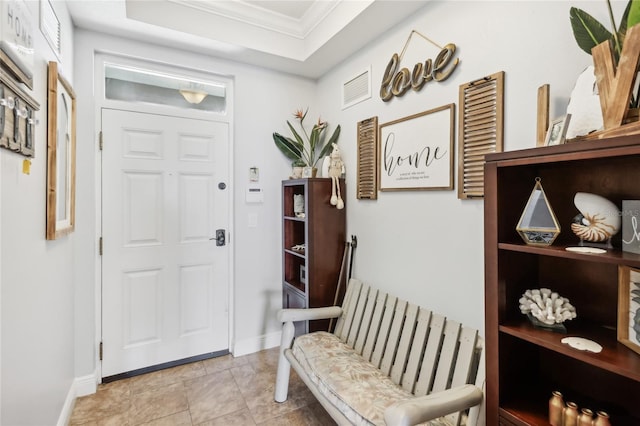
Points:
x=303, y=37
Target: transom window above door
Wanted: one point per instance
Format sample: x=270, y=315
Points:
x=131, y=84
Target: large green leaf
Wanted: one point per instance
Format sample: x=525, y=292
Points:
x=587, y=31
x=333, y=139
x=295, y=134
x=633, y=12
x=290, y=148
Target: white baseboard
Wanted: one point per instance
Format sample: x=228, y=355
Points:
x=86, y=385
x=80, y=386
x=256, y=344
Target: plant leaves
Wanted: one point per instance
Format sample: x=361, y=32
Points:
x=632, y=13
x=624, y=23
x=333, y=139
x=287, y=146
x=295, y=134
x=587, y=31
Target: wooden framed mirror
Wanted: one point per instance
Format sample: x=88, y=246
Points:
x=61, y=155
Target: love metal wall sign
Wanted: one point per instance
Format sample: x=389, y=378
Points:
x=397, y=82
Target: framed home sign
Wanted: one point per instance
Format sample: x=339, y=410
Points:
x=629, y=307
x=416, y=152
x=16, y=40
x=61, y=155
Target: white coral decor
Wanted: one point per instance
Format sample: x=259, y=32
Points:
x=547, y=306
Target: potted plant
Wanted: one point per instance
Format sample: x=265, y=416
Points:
x=306, y=147
x=589, y=32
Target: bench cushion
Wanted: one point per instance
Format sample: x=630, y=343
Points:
x=354, y=386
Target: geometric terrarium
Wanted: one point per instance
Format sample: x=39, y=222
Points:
x=538, y=225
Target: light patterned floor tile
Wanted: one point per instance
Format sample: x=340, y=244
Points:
x=212, y=396
x=221, y=363
x=239, y=418
x=216, y=392
x=313, y=415
x=182, y=418
x=157, y=403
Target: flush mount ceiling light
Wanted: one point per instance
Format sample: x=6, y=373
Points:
x=193, y=96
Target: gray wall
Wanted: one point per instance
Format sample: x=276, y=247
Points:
x=424, y=246
x=37, y=276
x=427, y=246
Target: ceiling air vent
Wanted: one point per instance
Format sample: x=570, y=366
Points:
x=357, y=89
x=50, y=26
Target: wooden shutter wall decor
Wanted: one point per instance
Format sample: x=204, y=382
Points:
x=367, y=187
x=480, y=131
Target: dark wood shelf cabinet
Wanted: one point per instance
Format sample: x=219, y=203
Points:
x=525, y=364
x=310, y=275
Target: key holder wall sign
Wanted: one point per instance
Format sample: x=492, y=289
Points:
x=397, y=82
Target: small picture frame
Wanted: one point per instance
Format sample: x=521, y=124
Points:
x=303, y=274
x=629, y=307
x=307, y=172
x=631, y=226
x=557, y=131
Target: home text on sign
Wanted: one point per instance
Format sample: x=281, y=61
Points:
x=396, y=83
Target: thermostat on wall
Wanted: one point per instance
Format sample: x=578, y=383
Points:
x=254, y=195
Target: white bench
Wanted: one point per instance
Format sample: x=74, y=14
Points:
x=387, y=362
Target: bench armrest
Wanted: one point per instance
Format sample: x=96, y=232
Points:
x=286, y=315
x=424, y=408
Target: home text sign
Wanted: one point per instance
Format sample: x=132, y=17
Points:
x=397, y=82
x=416, y=152
x=17, y=35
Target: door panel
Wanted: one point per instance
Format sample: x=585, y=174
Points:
x=165, y=282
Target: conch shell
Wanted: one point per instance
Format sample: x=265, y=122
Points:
x=599, y=218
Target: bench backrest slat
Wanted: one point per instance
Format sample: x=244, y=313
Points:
x=405, y=344
x=357, y=316
x=383, y=333
x=466, y=355
x=374, y=328
x=417, y=350
x=464, y=363
x=447, y=356
x=350, y=300
x=431, y=353
x=366, y=320
x=394, y=337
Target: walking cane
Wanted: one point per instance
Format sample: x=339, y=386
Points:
x=347, y=245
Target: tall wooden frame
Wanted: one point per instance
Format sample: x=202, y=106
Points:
x=480, y=131
x=61, y=155
x=367, y=188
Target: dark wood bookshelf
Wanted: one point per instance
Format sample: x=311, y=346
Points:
x=524, y=363
x=322, y=231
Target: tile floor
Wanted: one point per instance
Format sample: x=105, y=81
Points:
x=215, y=392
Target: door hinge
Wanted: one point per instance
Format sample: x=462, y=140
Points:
x=100, y=140
x=100, y=351
x=100, y=246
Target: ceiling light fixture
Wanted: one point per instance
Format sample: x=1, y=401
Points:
x=193, y=96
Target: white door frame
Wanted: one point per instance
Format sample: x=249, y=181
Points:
x=100, y=102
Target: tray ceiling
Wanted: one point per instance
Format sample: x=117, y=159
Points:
x=305, y=37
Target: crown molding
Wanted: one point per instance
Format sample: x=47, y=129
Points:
x=254, y=15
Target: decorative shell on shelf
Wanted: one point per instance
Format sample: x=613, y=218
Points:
x=599, y=218
x=547, y=306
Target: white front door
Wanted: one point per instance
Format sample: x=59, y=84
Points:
x=165, y=281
